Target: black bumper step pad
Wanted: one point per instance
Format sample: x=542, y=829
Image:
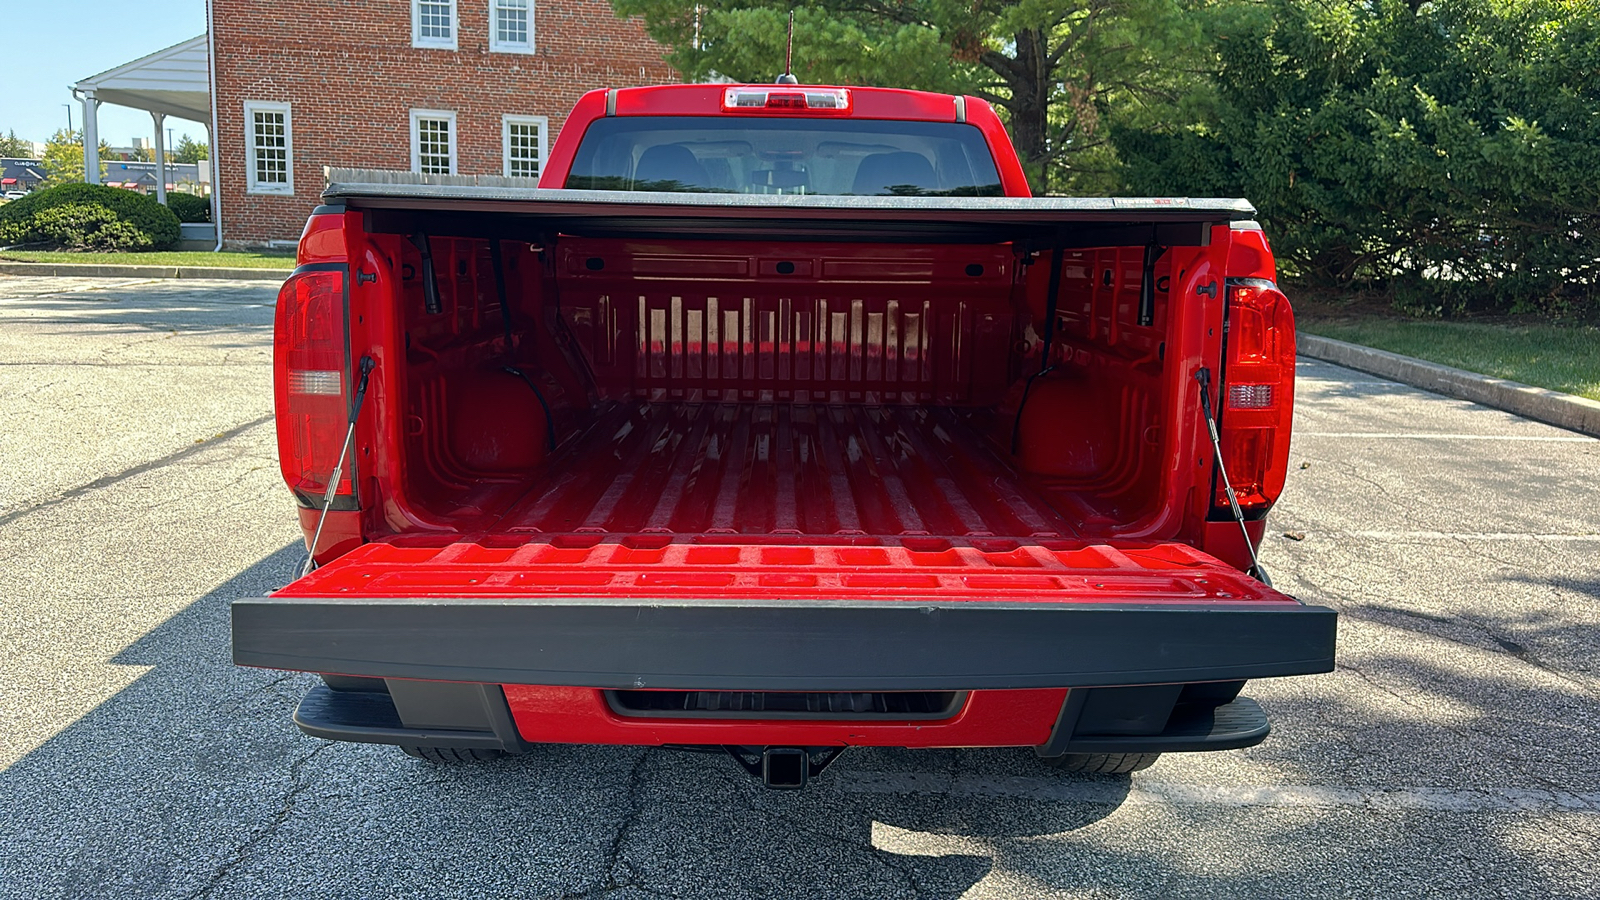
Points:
x=1231, y=726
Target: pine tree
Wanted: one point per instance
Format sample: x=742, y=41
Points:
x=188, y=151
x=13, y=147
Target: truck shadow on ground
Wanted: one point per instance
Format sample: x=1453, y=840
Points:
x=193, y=782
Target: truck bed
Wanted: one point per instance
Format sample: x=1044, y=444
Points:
x=782, y=469
x=781, y=502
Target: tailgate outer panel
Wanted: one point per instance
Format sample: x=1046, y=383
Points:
x=726, y=644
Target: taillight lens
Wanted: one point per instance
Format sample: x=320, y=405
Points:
x=786, y=97
x=1257, y=391
x=1249, y=396
x=311, y=372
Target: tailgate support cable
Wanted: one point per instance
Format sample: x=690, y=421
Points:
x=1052, y=298
x=498, y=264
x=338, y=470
x=1204, y=377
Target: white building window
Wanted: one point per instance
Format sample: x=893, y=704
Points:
x=269, y=145
x=433, y=23
x=433, y=142
x=522, y=139
x=511, y=26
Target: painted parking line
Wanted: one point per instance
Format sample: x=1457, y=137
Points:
x=1443, y=436
x=1466, y=536
x=1170, y=794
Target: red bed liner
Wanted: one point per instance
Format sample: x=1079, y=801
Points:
x=736, y=501
x=780, y=469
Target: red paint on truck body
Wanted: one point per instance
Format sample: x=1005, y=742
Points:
x=1093, y=485
x=582, y=716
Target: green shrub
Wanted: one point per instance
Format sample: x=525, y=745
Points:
x=89, y=217
x=1444, y=152
x=188, y=207
x=88, y=226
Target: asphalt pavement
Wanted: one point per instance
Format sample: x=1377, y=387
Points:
x=1455, y=751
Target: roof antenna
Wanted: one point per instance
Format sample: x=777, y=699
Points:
x=788, y=57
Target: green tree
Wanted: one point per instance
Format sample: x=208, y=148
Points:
x=1055, y=68
x=63, y=158
x=14, y=147
x=189, y=151
x=1443, y=150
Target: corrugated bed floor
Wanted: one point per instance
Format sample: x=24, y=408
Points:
x=758, y=469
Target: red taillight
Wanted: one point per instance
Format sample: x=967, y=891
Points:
x=1257, y=397
x=311, y=374
x=795, y=99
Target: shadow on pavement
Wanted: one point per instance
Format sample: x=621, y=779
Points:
x=192, y=782
x=1589, y=587
x=244, y=308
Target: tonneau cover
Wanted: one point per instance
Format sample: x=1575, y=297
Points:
x=1171, y=221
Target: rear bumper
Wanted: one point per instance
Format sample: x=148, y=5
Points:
x=478, y=717
x=790, y=645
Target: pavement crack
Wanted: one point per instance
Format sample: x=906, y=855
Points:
x=27, y=394
x=1473, y=548
x=613, y=857
x=1525, y=655
x=267, y=687
x=1356, y=609
x=142, y=468
x=1494, y=637
x=1374, y=682
x=285, y=808
x=1517, y=763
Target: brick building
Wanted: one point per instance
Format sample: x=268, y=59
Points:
x=469, y=87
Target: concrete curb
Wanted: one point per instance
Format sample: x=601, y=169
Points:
x=94, y=270
x=1551, y=407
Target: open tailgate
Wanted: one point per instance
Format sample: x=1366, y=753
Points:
x=649, y=611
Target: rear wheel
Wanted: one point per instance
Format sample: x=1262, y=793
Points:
x=1102, y=763
x=452, y=754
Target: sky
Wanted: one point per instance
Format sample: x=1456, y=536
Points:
x=66, y=41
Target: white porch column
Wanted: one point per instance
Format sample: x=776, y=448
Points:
x=161, y=158
x=91, y=138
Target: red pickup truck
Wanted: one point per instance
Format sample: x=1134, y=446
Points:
x=781, y=419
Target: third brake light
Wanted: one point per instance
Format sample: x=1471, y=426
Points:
x=786, y=97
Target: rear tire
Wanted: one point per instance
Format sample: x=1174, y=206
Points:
x=452, y=755
x=1102, y=763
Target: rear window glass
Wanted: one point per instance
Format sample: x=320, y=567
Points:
x=863, y=157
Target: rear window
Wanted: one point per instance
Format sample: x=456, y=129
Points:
x=862, y=157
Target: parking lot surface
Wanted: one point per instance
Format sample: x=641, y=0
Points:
x=1455, y=751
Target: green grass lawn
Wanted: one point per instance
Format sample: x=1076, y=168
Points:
x=1561, y=358
x=233, y=259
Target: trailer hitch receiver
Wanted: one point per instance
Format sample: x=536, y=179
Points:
x=784, y=768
